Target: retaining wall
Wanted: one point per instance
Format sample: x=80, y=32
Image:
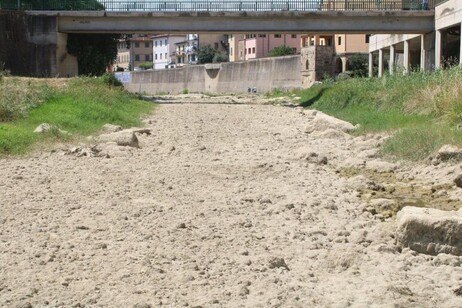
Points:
x=234, y=77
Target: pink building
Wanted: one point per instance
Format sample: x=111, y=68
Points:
x=253, y=46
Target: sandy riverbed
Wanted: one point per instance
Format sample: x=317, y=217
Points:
x=222, y=206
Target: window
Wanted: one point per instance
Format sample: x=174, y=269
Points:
x=339, y=39
x=293, y=36
x=367, y=38
x=215, y=45
x=166, y=42
x=137, y=57
x=146, y=44
x=160, y=43
x=231, y=51
x=155, y=56
x=249, y=51
x=277, y=35
x=147, y=57
x=155, y=43
x=253, y=49
x=160, y=56
x=166, y=56
x=137, y=44
x=262, y=35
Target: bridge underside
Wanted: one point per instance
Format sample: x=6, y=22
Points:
x=243, y=22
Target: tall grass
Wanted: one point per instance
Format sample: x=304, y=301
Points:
x=81, y=107
x=424, y=108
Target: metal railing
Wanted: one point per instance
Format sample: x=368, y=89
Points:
x=218, y=5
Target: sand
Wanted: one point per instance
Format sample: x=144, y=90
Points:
x=221, y=206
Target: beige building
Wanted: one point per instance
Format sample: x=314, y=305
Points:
x=421, y=51
x=123, y=56
x=140, y=50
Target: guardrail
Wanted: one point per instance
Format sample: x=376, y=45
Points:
x=219, y=5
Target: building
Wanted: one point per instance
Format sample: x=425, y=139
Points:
x=424, y=51
x=140, y=50
x=254, y=46
x=164, y=50
x=186, y=50
x=123, y=55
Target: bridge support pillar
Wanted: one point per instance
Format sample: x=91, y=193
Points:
x=380, y=63
x=371, y=65
x=423, y=54
x=391, y=63
x=460, y=52
x=438, y=44
x=406, y=57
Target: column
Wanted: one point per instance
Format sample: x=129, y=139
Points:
x=423, y=54
x=438, y=49
x=460, y=53
x=391, y=63
x=371, y=65
x=380, y=62
x=406, y=57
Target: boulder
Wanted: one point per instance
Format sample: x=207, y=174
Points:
x=449, y=152
x=122, y=138
x=46, y=127
x=111, y=128
x=430, y=231
x=322, y=121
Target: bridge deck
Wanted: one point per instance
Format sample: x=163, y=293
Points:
x=244, y=22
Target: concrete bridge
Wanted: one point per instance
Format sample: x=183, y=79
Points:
x=242, y=22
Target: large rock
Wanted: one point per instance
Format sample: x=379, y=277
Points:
x=111, y=128
x=321, y=122
x=430, y=231
x=449, y=152
x=46, y=127
x=122, y=138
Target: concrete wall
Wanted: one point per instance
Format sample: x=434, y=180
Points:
x=31, y=46
x=236, y=77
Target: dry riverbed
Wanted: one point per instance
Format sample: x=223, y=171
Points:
x=222, y=205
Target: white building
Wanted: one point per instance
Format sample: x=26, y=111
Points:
x=164, y=50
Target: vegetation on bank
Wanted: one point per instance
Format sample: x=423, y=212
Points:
x=79, y=106
x=424, y=110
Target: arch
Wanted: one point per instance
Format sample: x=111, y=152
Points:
x=338, y=65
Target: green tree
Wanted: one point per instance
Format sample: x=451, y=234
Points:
x=94, y=52
x=359, y=65
x=146, y=65
x=205, y=54
x=282, y=50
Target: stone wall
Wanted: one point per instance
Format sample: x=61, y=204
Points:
x=316, y=62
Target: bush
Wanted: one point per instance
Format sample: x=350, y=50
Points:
x=146, y=65
x=206, y=54
x=111, y=80
x=282, y=50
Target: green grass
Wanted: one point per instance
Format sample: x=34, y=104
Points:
x=81, y=108
x=424, y=109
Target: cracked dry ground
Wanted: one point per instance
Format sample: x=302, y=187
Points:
x=216, y=209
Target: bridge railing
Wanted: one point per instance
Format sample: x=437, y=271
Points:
x=219, y=5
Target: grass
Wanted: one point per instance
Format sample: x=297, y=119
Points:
x=81, y=107
x=423, y=109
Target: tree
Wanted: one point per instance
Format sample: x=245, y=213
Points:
x=94, y=52
x=282, y=50
x=359, y=65
x=205, y=54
